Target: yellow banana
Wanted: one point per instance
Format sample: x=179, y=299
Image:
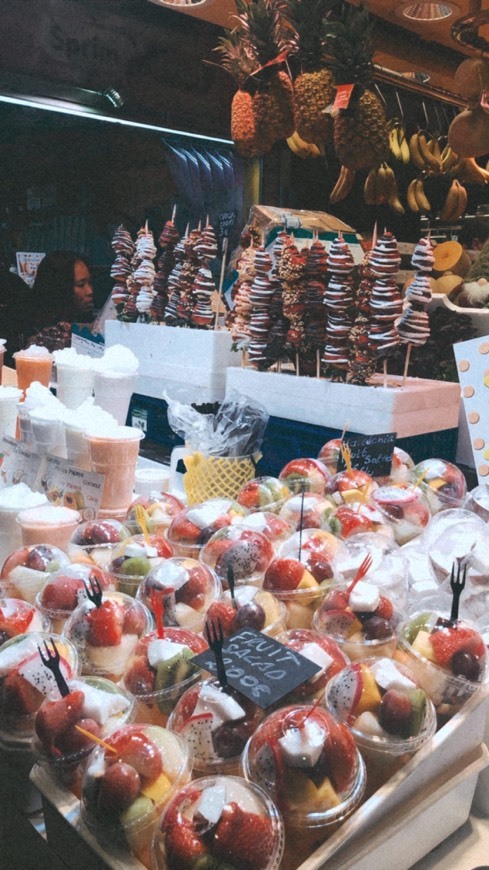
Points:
x=380, y=188
x=434, y=146
x=468, y=170
x=394, y=145
x=392, y=192
x=411, y=197
x=404, y=146
x=448, y=158
x=431, y=162
x=450, y=205
x=343, y=185
x=370, y=188
x=421, y=198
x=414, y=152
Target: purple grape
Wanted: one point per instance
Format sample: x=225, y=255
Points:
x=250, y=616
x=465, y=664
x=377, y=628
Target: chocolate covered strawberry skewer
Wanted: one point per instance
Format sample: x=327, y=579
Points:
x=385, y=301
x=338, y=300
x=414, y=325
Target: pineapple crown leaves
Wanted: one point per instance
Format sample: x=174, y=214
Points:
x=348, y=40
x=235, y=58
x=306, y=19
x=264, y=29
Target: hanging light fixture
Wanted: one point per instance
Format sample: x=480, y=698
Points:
x=425, y=11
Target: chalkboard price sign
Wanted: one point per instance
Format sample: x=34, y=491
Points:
x=227, y=219
x=260, y=667
x=371, y=453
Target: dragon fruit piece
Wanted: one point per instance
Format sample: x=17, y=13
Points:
x=243, y=557
x=197, y=733
x=338, y=623
x=265, y=768
x=34, y=672
x=344, y=691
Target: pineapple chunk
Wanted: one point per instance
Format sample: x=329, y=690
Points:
x=308, y=581
x=370, y=697
x=157, y=790
x=422, y=645
x=353, y=495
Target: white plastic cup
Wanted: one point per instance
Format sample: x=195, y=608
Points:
x=149, y=480
x=77, y=448
x=113, y=391
x=9, y=403
x=48, y=436
x=73, y=385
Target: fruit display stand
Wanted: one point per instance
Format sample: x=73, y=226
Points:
x=192, y=361
x=423, y=413
x=420, y=806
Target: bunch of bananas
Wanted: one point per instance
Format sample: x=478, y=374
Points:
x=381, y=188
x=455, y=203
x=416, y=198
x=467, y=169
x=398, y=143
x=343, y=185
x=425, y=152
x=301, y=148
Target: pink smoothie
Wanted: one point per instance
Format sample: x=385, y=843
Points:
x=115, y=455
x=48, y=524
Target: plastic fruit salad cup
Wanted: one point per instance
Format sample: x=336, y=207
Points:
x=125, y=787
x=219, y=821
x=390, y=716
x=26, y=570
x=160, y=670
x=448, y=658
x=135, y=557
x=66, y=589
x=186, y=588
x=95, y=540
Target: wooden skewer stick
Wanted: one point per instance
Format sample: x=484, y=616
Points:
x=221, y=279
x=174, y=213
x=406, y=364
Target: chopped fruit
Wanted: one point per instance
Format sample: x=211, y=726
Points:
x=105, y=624
x=140, y=678
x=465, y=664
x=54, y=717
x=134, y=619
x=157, y=790
x=384, y=608
x=194, y=591
x=119, y=787
x=395, y=713
x=307, y=581
x=183, y=845
x=61, y=593
x=16, y=623
x=137, y=750
x=370, y=697
x=20, y=698
x=242, y=838
x=220, y=611
x=448, y=641
x=283, y=575
x=250, y=615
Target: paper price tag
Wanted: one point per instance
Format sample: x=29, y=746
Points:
x=72, y=487
x=260, y=667
x=18, y=464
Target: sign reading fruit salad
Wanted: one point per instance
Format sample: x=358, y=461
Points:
x=371, y=453
x=71, y=487
x=260, y=667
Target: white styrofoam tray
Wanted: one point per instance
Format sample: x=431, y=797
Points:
x=420, y=406
x=194, y=360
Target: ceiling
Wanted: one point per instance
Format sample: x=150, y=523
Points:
x=402, y=45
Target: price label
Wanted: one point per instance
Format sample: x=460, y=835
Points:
x=260, y=667
x=227, y=219
x=371, y=453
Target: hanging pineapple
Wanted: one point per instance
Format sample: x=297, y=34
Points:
x=262, y=29
x=361, y=136
x=248, y=136
x=313, y=86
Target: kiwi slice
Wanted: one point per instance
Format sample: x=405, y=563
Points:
x=175, y=670
x=418, y=702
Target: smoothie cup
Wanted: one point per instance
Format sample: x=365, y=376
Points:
x=12, y=500
x=125, y=790
x=48, y=524
x=113, y=391
x=74, y=384
x=33, y=364
x=390, y=717
x=115, y=455
x=47, y=432
x=9, y=402
x=230, y=822
x=309, y=765
x=77, y=448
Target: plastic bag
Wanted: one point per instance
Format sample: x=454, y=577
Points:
x=237, y=429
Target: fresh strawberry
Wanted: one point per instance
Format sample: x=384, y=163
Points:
x=340, y=753
x=193, y=591
x=352, y=522
x=283, y=574
x=164, y=549
x=320, y=566
x=182, y=844
x=134, y=619
x=244, y=840
x=18, y=697
x=384, y=608
x=140, y=678
x=249, y=496
x=54, y=717
x=16, y=623
x=223, y=612
x=183, y=530
x=447, y=641
x=105, y=624
x=337, y=599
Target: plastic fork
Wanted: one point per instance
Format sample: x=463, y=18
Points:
x=362, y=571
x=51, y=661
x=457, y=585
x=215, y=639
x=93, y=590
